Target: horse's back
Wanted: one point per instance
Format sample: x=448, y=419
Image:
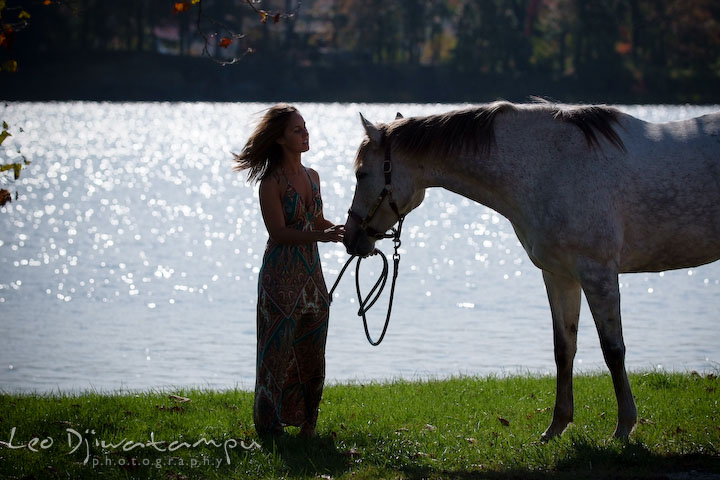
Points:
x=694, y=140
x=669, y=193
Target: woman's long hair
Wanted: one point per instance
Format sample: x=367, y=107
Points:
x=262, y=153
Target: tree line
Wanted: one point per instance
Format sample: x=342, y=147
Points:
x=642, y=45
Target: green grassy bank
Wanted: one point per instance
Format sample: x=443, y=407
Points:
x=459, y=428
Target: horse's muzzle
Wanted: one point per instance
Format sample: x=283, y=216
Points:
x=356, y=240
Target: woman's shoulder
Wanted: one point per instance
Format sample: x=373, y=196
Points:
x=271, y=183
x=313, y=174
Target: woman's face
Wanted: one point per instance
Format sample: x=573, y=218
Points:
x=295, y=139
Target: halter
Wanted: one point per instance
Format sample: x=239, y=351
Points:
x=371, y=232
x=386, y=192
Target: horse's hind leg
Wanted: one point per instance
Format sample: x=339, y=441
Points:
x=564, y=296
x=600, y=285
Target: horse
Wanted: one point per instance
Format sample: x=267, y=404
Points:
x=590, y=191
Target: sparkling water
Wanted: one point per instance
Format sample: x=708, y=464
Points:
x=130, y=260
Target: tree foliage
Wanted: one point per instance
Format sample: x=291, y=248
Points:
x=629, y=38
x=649, y=45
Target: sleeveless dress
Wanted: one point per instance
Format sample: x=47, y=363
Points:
x=292, y=323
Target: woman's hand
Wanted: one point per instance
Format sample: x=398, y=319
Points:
x=332, y=234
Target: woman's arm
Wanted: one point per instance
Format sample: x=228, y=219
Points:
x=272, y=212
x=321, y=222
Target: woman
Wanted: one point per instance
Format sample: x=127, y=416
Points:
x=293, y=303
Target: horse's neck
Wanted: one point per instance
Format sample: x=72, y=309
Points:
x=502, y=178
x=466, y=179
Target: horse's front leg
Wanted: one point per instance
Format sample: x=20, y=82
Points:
x=600, y=284
x=564, y=296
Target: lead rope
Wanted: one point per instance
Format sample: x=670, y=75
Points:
x=369, y=301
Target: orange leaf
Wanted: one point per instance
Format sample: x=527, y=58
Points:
x=263, y=16
x=180, y=7
x=47, y=2
x=225, y=42
x=5, y=197
x=24, y=15
x=276, y=18
x=623, y=48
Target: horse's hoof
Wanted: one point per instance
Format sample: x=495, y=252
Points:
x=551, y=433
x=623, y=433
x=623, y=429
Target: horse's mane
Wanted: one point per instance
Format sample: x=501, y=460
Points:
x=448, y=133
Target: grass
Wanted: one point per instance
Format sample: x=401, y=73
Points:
x=457, y=428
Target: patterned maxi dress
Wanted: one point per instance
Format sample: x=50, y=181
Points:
x=292, y=322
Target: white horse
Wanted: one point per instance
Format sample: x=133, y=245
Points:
x=591, y=192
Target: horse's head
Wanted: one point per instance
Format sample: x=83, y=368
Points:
x=386, y=189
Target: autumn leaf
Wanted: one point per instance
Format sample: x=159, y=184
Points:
x=263, y=16
x=178, y=398
x=623, y=48
x=4, y=135
x=5, y=197
x=180, y=7
x=9, y=66
x=6, y=36
x=15, y=167
x=195, y=1
x=24, y=15
x=47, y=2
x=504, y=421
x=225, y=42
x=276, y=18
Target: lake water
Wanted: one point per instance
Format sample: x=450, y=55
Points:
x=130, y=261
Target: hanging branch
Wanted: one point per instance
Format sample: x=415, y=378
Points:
x=276, y=17
x=223, y=35
x=225, y=41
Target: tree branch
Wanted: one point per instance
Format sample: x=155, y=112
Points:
x=224, y=36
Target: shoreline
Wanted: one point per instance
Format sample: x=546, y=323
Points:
x=350, y=383
x=126, y=76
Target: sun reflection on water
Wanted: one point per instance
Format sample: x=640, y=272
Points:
x=132, y=234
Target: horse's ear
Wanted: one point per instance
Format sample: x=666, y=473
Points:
x=372, y=131
x=398, y=116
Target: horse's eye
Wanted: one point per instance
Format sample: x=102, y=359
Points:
x=360, y=175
